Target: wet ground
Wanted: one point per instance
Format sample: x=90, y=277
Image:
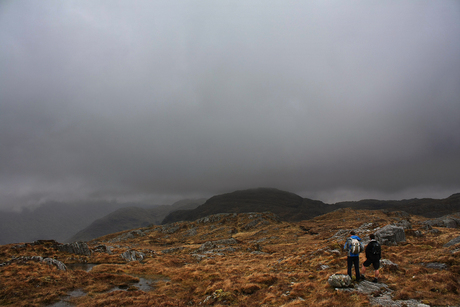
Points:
x=144, y=284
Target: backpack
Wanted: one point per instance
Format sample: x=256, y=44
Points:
x=355, y=247
x=375, y=250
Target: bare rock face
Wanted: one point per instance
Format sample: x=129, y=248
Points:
x=339, y=281
x=390, y=235
x=78, y=248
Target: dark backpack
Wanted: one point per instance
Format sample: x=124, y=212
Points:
x=375, y=249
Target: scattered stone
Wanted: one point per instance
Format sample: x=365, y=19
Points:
x=452, y=242
x=339, y=281
x=132, y=255
x=390, y=235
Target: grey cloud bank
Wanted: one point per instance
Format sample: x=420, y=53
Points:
x=169, y=99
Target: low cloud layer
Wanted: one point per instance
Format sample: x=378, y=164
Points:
x=163, y=100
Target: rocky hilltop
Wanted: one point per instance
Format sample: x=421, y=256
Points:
x=288, y=206
x=241, y=259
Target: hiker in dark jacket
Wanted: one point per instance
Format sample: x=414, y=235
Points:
x=373, y=255
x=353, y=258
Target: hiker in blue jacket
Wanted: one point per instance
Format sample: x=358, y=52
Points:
x=353, y=246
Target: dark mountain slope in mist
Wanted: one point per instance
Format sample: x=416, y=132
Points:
x=292, y=207
x=427, y=207
x=53, y=220
x=131, y=217
x=288, y=206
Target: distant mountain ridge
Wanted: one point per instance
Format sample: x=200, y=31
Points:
x=131, y=217
x=292, y=207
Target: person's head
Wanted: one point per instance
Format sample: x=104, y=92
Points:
x=372, y=236
x=352, y=233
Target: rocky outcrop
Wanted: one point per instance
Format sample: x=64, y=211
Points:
x=390, y=235
x=339, y=281
x=50, y=261
x=78, y=248
x=103, y=249
x=132, y=255
x=448, y=221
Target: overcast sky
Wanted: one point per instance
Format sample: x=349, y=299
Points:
x=163, y=100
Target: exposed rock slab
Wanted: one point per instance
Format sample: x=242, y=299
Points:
x=390, y=235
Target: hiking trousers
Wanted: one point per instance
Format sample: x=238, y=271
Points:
x=353, y=261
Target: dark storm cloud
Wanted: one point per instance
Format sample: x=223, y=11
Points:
x=136, y=100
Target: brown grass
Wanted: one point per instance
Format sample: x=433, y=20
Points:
x=289, y=274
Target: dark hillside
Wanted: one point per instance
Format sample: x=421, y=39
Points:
x=131, y=217
x=288, y=206
x=291, y=207
x=427, y=207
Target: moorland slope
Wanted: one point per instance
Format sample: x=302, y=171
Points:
x=238, y=259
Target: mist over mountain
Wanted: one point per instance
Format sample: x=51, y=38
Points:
x=54, y=220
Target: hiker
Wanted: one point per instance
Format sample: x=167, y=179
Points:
x=353, y=246
x=373, y=255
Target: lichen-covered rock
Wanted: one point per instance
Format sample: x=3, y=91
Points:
x=132, y=255
x=339, y=281
x=78, y=248
x=390, y=235
x=50, y=261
